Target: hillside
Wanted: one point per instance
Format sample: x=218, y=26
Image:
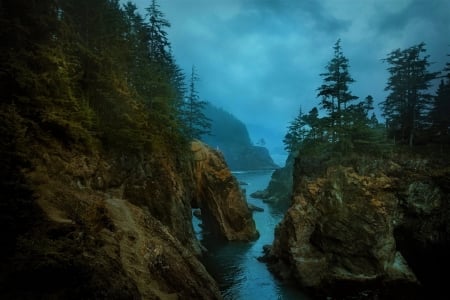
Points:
x=230, y=136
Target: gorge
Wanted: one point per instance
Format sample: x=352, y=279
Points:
x=104, y=152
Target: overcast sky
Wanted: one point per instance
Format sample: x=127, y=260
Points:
x=261, y=59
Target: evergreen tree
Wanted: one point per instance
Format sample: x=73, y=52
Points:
x=159, y=45
x=197, y=124
x=408, y=103
x=296, y=133
x=440, y=112
x=315, y=125
x=335, y=94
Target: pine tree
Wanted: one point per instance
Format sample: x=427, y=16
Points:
x=407, y=106
x=296, y=133
x=159, y=45
x=335, y=94
x=440, y=112
x=197, y=124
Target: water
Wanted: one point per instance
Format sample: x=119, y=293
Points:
x=234, y=265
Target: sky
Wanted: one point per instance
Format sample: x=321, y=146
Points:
x=261, y=60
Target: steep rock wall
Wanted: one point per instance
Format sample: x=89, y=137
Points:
x=224, y=208
x=337, y=236
x=377, y=228
x=105, y=228
x=115, y=227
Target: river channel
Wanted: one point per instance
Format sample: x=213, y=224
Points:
x=234, y=265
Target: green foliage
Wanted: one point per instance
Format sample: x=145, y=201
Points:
x=440, y=112
x=335, y=93
x=408, y=104
x=91, y=74
x=197, y=124
x=346, y=127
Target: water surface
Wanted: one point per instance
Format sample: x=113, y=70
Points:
x=234, y=265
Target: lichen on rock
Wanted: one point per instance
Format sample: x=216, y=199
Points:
x=338, y=235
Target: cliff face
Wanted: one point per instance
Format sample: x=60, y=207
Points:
x=231, y=136
x=354, y=229
x=279, y=190
x=113, y=227
x=224, y=208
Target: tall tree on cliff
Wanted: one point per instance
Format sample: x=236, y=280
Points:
x=407, y=106
x=335, y=94
x=197, y=124
x=296, y=133
x=167, y=87
x=440, y=112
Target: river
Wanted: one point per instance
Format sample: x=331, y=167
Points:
x=234, y=265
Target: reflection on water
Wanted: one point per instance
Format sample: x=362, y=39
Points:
x=234, y=265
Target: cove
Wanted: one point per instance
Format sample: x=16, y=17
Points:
x=234, y=265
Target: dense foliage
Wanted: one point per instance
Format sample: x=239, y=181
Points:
x=91, y=73
x=197, y=124
x=413, y=115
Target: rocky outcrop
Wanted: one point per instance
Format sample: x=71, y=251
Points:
x=218, y=194
x=99, y=228
x=231, y=136
x=248, y=158
x=422, y=229
x=117, y=227
x=279, y=190
x=377, y=228
x=337, y=237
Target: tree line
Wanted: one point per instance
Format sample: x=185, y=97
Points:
x=95, y=70
x=413, y=114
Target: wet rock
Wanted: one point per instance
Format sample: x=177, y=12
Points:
x=252, y=207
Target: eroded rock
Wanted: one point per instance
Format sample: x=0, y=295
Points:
x=217, y=193
x=337, y=236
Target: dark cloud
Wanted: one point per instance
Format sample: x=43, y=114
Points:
x=261, y=59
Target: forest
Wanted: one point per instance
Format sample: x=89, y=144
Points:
x=95, y=75
x=344, y=124
x=99, y=74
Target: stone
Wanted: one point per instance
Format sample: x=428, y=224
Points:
x=218, y=194
x=339, y=232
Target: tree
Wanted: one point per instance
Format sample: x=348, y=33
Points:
x=335, y=94
x=296, y=133
x=197, y=124
x=159, y=45
x=440, y=112
x=408, y=103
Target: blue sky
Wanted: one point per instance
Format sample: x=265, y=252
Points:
x=261, y=59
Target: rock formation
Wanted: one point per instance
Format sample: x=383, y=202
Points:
x=218, y=194
x=96, y=227
x=279, y=190
x=231, y=136
x=365, y=228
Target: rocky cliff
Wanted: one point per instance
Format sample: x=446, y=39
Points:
x=92, y=226
x=362, y=230
x=231, y=136
x=224, y=208
x=279, y=190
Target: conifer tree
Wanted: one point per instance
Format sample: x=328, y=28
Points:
x=197, y=124
x=296, y=133
x=407, y=106
x=440, y=112
x=335, y=94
